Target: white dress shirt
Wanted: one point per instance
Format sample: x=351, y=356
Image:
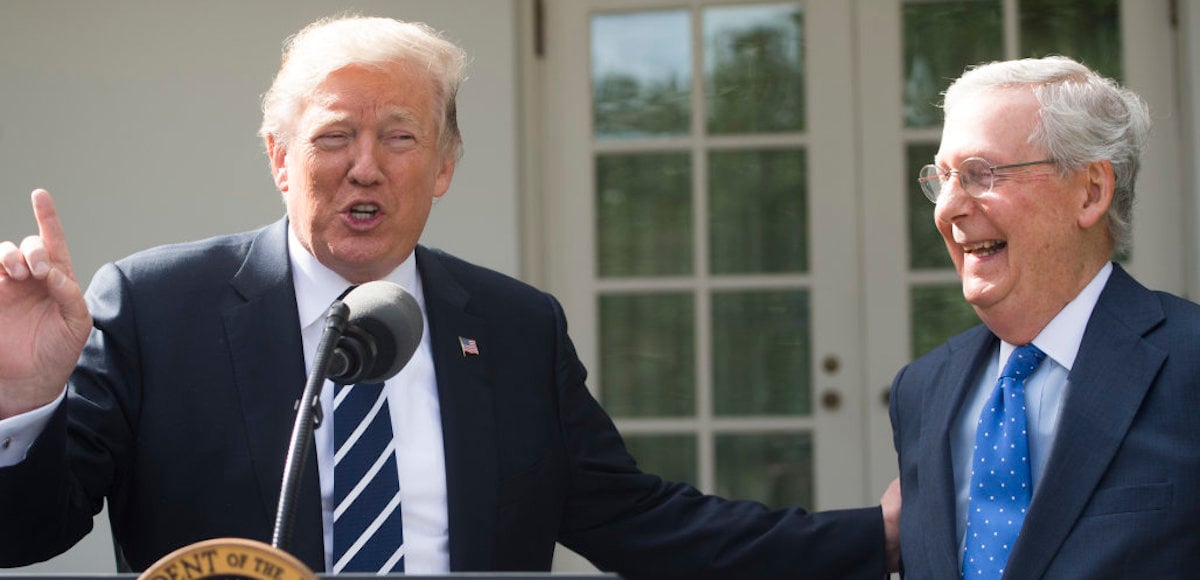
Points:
x=1045, y=391
x=416, y=417
x=18, y=433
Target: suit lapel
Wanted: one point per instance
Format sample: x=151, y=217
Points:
x=468, y=420
x=268, y=363
x=1112, y=373
x=968, y=352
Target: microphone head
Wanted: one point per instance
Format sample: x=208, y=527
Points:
x=386, y=322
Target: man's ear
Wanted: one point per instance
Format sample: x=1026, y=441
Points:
x=278, y=153
x=445, y=175
x=1099, y=186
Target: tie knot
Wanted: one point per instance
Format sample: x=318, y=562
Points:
x=1022, y=362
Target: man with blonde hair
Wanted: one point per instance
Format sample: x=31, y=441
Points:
x=184, y=365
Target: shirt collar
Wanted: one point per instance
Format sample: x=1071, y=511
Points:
x=1061, y=338
x=317, y=286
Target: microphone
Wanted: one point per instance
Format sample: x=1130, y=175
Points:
x=383, y=331
x=370, y=334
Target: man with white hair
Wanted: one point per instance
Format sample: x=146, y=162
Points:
x=1079, y=459
x=184, y=364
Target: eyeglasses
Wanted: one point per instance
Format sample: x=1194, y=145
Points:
x=975, y=175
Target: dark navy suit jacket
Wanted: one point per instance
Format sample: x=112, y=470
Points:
x=1118, y=497
x=181, y=408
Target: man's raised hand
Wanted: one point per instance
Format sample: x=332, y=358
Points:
x=44, y=320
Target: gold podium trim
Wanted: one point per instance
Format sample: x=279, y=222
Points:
x=236, y=557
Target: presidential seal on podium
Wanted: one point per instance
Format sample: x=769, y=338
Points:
x=228, y=558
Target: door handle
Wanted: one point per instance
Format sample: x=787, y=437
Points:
x=831, y=400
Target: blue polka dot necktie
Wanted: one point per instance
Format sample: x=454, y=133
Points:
x=1000, y=479
x=367, y=528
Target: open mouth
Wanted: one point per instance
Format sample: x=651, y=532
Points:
x=363, y=211
x=984, y=249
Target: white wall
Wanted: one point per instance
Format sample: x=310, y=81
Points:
x=1189, y=79
x=140, y=116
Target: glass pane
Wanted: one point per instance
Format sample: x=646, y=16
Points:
x=641, y=74
x=1087, y=30
x=671, y=457
x=758, y=212
x=938, y=312
x=773, y=468
x=926, y=249
x=942, y=37
x=754, y=68
x=761, y=353
x=644, y=214
x=646, y=355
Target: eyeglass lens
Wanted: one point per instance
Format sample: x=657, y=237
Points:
x=974, y=175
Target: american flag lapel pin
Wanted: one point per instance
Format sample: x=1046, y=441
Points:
x=469, y=346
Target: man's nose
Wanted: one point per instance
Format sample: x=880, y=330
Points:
x=365, y=165
x=953, y=199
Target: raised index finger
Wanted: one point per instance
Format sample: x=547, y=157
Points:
x=51, y=231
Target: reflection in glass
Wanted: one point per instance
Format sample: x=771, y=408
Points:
x=641, y=74
x=1087, y=30
x=758, y=212
x=937, y=313
x=761, y=353
x=942, y=37
x=926, y=249
x=671, y=457
x=773, y=468
x=647, y=356
x=754, y=68
x=643, y=214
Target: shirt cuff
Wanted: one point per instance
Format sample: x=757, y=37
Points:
x=18, y=433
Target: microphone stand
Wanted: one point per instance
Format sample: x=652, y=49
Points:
x=307, y=417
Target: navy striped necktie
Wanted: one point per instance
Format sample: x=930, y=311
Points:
x=1001, y=486
x=367, y=530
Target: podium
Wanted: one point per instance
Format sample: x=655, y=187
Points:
x=451, y=576
x=242, y=558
